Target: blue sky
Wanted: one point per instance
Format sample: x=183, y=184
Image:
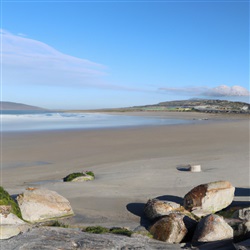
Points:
x=94, y=54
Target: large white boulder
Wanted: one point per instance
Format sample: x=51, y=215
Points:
x=209, y=198
x=41, y=204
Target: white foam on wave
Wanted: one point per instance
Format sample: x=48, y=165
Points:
x=56, y=121
x=17, y=122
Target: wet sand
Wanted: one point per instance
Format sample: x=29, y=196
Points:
x=131, y=164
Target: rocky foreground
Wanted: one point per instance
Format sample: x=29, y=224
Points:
x=68, y=239
x=203, y=221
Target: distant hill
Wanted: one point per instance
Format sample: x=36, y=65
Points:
x=200, y=105
x=18, y=106
x=191, y=105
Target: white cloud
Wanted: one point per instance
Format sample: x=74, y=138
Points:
x=220, y=91
x=224, y=90
x=33, y=62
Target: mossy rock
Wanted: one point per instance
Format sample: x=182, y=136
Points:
x=7, y=200
x=103, y=230
x=90, y=173
x=87, y=176
x=97, y=230
x=121, y=231
x=228, y=212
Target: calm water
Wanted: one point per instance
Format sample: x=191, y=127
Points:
x=40, y=120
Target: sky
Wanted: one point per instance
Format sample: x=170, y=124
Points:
x=104, y=54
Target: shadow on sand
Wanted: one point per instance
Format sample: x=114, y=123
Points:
x=185, y=168
x=242, y=191
x=138, y=210
x=173, y=198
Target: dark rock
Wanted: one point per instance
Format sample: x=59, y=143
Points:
x=244, y=245
x=170, y=228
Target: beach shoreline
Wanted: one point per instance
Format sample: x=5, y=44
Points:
x=131, y=164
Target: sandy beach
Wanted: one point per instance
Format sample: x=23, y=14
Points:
x=131, y=164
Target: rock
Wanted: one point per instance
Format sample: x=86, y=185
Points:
x=241, y=230
x=194, y=168
x=42, y=204
x=10, y=219
x=244, y=245
x=156, y=208
x=10, y=224
x=83, y=178
x=80, y=177
x=8, y=231
x=243, y=214
x=65, y=238
x=212, y=228
x=170, y=228
x=8, y=204
x=140, y=230
x=247, y=226
x=209, y=198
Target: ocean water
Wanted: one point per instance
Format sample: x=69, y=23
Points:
x=40, y=120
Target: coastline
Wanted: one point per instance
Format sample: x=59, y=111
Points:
x=131, y=164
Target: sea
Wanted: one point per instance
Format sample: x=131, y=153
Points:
x=30, y=120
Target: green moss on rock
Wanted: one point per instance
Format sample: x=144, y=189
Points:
x=90, y=173
x=73, y=176
x=97, y=230
x=103, y=230
x=7, y=200
x=121, y=231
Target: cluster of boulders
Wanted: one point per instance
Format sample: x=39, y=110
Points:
x=36, y=205
x=196, y=220
x=200, y=219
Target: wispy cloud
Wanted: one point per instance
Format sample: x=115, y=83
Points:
x=184, y=90
x=33, y=62
x=220, y=91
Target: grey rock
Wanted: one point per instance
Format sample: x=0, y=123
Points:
x=244, y=245
x=68, y=239
x=243, y=214
x=10, y=224
x=240, y=222
x=242, y=231
x=212, y=228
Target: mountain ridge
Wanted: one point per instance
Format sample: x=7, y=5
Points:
x=196, y=105
x=17, y=106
